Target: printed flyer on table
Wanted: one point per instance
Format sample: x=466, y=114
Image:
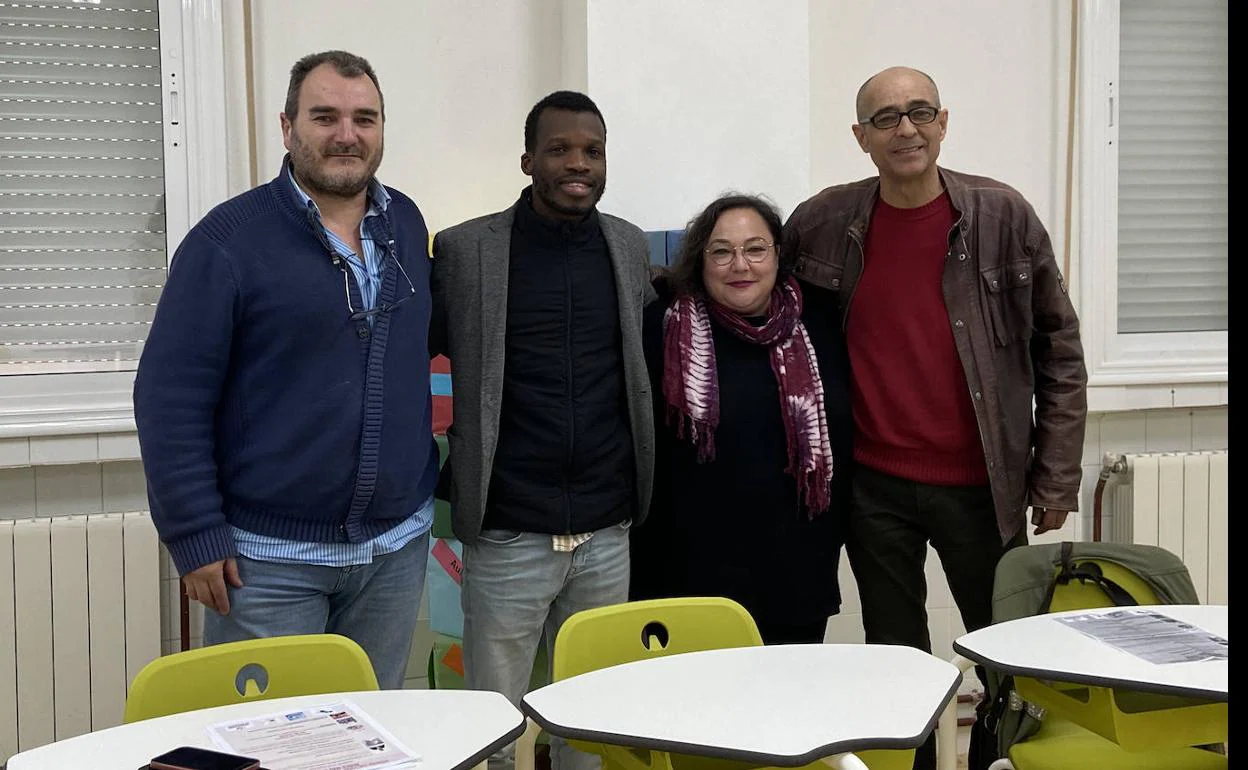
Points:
x=333, y=736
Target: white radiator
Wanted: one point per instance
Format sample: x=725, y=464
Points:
x=79, y=616
x=1179, y=502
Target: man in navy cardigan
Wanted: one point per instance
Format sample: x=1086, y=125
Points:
x=282, y=398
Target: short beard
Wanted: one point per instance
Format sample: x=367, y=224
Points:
x=340, y=185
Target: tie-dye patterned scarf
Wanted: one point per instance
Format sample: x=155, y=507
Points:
x=691, y=382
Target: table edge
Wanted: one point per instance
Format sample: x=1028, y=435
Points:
x=485, y=753
x=1156, y=688
x=472, y=761
x=777, y=760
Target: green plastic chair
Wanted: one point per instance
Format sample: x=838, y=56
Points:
x=255, y=669
x=609, y=636
x=1117, y=728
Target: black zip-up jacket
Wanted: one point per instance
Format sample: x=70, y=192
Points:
x=564, y=462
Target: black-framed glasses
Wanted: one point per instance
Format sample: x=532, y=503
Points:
x=755, y=250
x=919, y=116
x=387, y=307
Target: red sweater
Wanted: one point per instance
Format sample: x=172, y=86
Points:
x=913, y=415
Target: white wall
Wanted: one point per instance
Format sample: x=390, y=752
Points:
x=701, y=97
x=459, y=77
x=1001, y=69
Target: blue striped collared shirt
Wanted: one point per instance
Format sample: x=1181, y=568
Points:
x=368, y=268
x=367, y=272
x=263, y=548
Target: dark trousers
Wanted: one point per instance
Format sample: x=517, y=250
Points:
x=792, y=633
x=891, y=521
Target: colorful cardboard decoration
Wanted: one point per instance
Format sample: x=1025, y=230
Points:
x=440, y=386
x=446, y=615
x=446, y=664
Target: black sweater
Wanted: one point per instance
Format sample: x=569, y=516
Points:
x=733, y=526
x=564, y=462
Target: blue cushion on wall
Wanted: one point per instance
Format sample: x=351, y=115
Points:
x=674, y=237
x=658, y=247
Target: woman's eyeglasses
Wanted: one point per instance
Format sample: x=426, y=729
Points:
x=721, y=254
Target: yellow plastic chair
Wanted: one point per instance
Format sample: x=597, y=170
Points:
x=256, y=669
x=622, y=633
x=1117, y=728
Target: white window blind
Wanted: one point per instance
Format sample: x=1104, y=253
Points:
x=82, y=187
x=1172, y=163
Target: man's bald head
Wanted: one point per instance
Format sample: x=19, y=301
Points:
x=864, y=102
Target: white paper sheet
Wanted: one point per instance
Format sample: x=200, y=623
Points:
x=1150, y=636
x=332, y=736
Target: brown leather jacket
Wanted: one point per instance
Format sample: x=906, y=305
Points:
x=1014, y=326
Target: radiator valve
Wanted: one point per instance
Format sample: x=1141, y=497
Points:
x=1113, y=463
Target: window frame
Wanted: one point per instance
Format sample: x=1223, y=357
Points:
x=1182, y=368
x=193, y=95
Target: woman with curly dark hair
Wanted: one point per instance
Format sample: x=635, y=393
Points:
x=753, y=429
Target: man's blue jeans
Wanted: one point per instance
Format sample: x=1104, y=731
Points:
x=515, y=586
x=375, y=604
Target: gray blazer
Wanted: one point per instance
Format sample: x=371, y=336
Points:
x=469, y=326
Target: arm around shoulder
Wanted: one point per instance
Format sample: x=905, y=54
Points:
x=649, y=272
x=634, y=257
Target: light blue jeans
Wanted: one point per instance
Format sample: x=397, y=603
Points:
x=515, y=586
x=375, y=604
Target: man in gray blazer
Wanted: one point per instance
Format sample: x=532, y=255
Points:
x=538, y=309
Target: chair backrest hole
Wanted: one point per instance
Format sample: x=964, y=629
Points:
x=251, y=680
x=654, y=636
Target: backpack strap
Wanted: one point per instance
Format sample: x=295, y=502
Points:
x=1085, y=572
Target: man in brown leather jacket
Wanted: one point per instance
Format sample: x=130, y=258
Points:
x=968, y=378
